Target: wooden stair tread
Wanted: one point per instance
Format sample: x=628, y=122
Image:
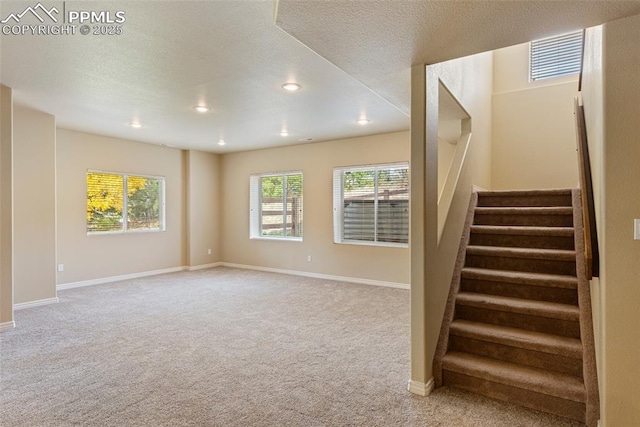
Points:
x=551, y=310
x=521, y=277
x=537, y=380
x=522, y=230
x=514, y=337
x=534, y=253
x=526, y=210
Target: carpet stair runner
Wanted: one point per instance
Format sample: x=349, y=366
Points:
x=518, y=323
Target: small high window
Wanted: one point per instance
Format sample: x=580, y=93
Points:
x=555, y=56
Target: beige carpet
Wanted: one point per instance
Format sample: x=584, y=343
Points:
x=227, y=347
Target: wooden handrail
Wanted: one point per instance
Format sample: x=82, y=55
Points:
x=592, y=260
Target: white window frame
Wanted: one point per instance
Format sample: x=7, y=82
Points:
x=562, y=55
x=125, y=202
x=338, y=205
x=255, y=206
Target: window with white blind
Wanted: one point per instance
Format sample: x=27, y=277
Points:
x=276, y=206
x=120, y=202
x=555, y=56
x=371, y=205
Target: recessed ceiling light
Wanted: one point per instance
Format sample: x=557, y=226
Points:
x=291, y=87
x=363, y=121
x=135, y=125
x=284, y=133
x=201, y=108
x=221, y=142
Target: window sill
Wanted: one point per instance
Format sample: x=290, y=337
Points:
x=111, y=233
x=278, y=239
x=379, y=244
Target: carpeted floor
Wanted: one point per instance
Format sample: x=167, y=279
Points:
x=227, y=347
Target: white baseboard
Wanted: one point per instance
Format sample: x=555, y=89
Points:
x=320, y=276
x=7, y=326
x=111, y=279
x=37, y=303
x=203, y=266
x=421, y=389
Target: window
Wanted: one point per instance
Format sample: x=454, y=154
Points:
x=110, y=209
x=276, y=205
x=555, y=56
x=371, y=205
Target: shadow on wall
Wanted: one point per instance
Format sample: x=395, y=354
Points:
x=454, y=134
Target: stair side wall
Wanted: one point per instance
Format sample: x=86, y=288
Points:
x=590, y=373
x=443, y=340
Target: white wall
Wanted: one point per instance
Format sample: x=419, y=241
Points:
x=470, y=81
x=99, y=256
x=6, y=208
x=316, y=161
x=593, y=99
x=34, y=162
x=534, y=142
x=612, y=106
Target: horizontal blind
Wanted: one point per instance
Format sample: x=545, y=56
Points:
x=105, y=202
x=144, y=203
x=272, y=206
x=392, y=223
x=293, y=205
x=359, y=204
x=111, y=209
x=371, y=204
x=556, y=56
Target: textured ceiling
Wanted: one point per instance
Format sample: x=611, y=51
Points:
x=377, y=41
x=173, y=55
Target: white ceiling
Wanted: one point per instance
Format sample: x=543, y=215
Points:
x=173, y=55
x=230, y=55
x=377, y=41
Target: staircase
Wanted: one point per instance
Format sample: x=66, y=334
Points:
x=518, y=322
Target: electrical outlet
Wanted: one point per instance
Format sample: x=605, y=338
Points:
x=209, y=251
x=308, y=258
x=636, y=229
x=60, y=267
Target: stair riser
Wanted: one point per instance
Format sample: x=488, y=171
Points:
x=567, y=328
x=516, y=290
x=522, y=356
x=529, y=220
x=550, y=266
x=522, y=241
x=541, y=402
x=520, y=201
